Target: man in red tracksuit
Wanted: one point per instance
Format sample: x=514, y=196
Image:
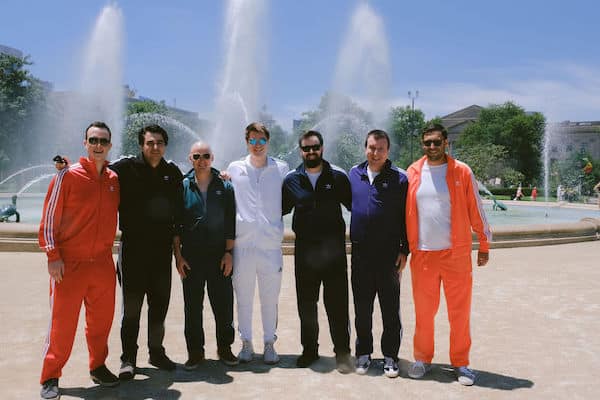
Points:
x=442, y=208
x=77, y=232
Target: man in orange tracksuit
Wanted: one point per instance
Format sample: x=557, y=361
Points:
x=442, y=207
x=77, y=232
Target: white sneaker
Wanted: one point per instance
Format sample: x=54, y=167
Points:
x=418, y=369
x=363, y=363
x=247, y=352
x=390, y=367
x=465, y=375
x=270, y=356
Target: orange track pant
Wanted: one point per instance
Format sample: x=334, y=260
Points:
x=428, y=270
x=92, y=283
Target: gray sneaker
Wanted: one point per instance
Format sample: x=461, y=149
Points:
x=465, y=375
x=363, y=363
x=50, y=389
x=418, y=369
x=127, y=370
x=270, y=356
x=247, y=352
x=390, y=367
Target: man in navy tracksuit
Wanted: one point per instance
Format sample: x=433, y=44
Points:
x=316, y=190
x=379, y=250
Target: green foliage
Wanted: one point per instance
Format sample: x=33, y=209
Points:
x=484, y=159
x=405, y=127
x=129, y=144
x=570, y=174
x=20, y=96
x=518, y=132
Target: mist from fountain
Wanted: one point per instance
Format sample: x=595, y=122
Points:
x=237, y=101
x=23, y=170
x=99, y=93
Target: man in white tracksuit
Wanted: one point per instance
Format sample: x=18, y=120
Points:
x=257, y=181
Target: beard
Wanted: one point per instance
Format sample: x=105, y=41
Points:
x=312, y=162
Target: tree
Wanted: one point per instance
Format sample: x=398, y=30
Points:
x=405, y=127
x=484, y=160
x=129, y=143
x=520, y=133
x=20, y=96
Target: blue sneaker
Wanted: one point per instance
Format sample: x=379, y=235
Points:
x=363, y=363
x=465, y=375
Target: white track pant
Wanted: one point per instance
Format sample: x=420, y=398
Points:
x=250, y=265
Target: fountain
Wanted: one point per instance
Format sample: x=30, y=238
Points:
x=99, y=92
x=498, y=205
x=237, y=102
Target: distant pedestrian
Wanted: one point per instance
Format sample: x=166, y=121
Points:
x=534, y=194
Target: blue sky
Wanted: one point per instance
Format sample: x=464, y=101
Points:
x=541, y=54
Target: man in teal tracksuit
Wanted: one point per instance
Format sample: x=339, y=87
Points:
x=205, y=255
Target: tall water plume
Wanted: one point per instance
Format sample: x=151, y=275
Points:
x=362, y=78
x=99, y=93
x=237, y=102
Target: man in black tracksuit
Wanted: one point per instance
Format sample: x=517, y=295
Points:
x=150, y=219
x=316, y=190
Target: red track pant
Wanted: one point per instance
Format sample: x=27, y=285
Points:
x=428, y=270
x=90, y=282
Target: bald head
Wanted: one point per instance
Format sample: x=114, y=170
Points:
x=200, y=147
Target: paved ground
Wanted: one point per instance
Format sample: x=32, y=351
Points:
x=535, y=336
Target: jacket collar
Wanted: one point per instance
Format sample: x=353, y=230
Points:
x=362, y=167
x=301, y=169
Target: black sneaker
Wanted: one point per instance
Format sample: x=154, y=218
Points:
x=103, y=377
x=227, y=357
x=344, y=363
x=50, y=389
x=193, y=362
x=127, y=371
x=161, y=361
x=306, y=359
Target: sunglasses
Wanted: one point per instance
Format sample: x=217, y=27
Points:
x=436, y=143
x=254, y=142
x=314, y=147
x=197, y=156
x=98, y=140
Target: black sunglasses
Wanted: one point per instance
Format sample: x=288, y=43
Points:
x=197, y=156
x=95, y=140
x=314, y=147
x=436, y=142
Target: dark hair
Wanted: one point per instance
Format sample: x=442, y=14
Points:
x=378, y=134
x=152, y=129
x=258, y=128
x=308, y=134
x=433, y=127
x=98, y=124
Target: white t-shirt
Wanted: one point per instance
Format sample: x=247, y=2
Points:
x=312, y=177
x=371, y=174
x=433, y=206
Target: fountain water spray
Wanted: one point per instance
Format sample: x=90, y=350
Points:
x=237, y=102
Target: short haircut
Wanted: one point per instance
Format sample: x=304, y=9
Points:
x=433, y=127
x=378, y=134
x=258, y=128
x=98, y=124
x=152, y=129
x=308, y=134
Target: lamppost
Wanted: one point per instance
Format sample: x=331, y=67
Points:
x=412, y=96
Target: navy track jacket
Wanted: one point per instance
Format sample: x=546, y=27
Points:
x=378, y=211
x=317, y=211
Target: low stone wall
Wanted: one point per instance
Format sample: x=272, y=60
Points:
x=23, y=237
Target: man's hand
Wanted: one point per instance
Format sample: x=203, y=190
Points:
x=182, y=265
x=227, y=264
x=401, y=261
x=56, y=270
x=225, y=176
x=482, y=258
